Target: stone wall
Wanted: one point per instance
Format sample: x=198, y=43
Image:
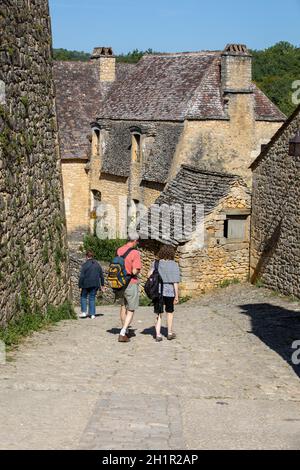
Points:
x=236, y=72
x=33, y=252
x=275, y=232
x=150, y=192
x=77, y=197
x=114, y=191
x=107, y=69
x=229, y=145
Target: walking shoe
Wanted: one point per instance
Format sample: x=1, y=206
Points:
x=158, y=339
x=82, y=315
x=92, y=317
x=172, y=336
x=123, y=339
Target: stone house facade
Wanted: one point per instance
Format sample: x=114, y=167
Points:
x=200, y=109
x=222, y=251
x=34, y=268
x=275, y=227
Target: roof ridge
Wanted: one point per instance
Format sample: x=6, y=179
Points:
x=71, y=61
x=183, y=53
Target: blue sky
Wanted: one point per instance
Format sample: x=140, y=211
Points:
x=173, y=25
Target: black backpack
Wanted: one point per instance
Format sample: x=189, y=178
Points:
x=154, y=284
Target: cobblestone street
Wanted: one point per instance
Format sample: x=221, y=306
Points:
x=227, y=382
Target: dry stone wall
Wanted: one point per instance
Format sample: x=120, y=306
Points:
x=275, y=227
x=33, y=252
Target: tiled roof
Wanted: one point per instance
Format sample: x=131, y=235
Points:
x=116, y=158
x=159, y=89
x=207, y=102
x=176, y=87
x=195, y=187
x=264, y=108
x=78, y=99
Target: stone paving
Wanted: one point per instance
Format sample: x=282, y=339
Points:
x=227, y=382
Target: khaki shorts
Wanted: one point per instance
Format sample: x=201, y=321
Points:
x=130, y=297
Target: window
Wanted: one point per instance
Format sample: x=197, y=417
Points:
x=136, y=147
x=136, y=210
x=235, y=227
x=96, y=198
x=95, y=209
x=95, y=202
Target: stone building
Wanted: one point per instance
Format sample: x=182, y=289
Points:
x=148, y=119
x=275, y=232
x=216, y=246
x=33, y=256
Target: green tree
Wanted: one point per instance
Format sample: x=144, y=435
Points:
x=64, y=54
x=274, y=71
x=134, y=56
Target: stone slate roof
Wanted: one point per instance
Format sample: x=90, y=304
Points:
x=175, y=87
x=293, y=119
x=265, y=110
x=192, y=186
x=79, y=93
x=162, y=87
x=156, y=163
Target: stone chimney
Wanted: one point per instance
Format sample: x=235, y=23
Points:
x=107, y=63
x=236, y=69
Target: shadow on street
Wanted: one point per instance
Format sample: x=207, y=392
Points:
x=278, y=328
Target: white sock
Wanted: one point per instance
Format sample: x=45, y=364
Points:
x=123, y=332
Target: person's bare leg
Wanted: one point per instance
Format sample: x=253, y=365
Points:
x=123, y=315
x=170, y=317
x=128, y=319
x=158, y=325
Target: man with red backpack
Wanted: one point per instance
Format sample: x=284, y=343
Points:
x=129, y=295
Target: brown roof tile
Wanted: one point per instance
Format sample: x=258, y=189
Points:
x=78, y=99
x=159, y=89
x=175, y=87
x=265, y=110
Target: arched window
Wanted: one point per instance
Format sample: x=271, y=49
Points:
x=96, y=199
x=95, y=208
x=133, y=214
x=136, y=149
x=136, y=203
x=95, y=141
